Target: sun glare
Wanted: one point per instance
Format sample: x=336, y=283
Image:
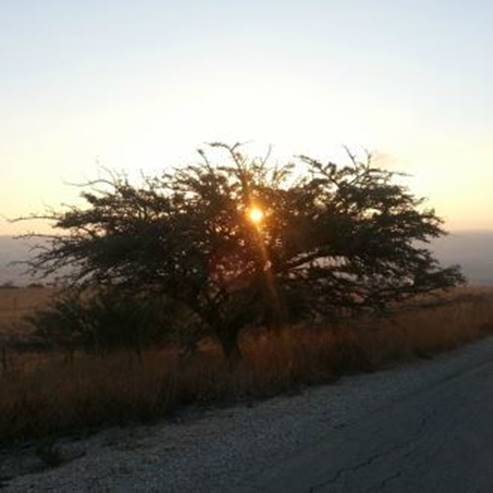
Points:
x=255, y=215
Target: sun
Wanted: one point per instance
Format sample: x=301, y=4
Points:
x=255, y=214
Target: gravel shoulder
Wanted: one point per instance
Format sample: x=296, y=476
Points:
x=229, y=449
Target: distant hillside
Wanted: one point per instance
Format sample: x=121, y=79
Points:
x=472, y=250
x=12, y=250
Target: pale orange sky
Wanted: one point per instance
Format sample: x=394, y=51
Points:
x=141, y=87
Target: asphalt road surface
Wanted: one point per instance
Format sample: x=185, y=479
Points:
x=439, y=439
x=423, y=427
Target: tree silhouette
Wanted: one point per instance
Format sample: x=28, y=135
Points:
x=242, y=242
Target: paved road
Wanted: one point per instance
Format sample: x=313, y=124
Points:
x=437, y=439
x=423, y=427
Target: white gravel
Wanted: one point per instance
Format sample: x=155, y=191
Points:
x=224, y=449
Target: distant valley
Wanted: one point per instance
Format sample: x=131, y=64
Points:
x=13, y=250
x=472, y=250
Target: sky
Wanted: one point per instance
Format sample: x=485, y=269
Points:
x=140, y=85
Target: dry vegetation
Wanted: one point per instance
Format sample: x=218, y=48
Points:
x=44, y=393
x=17, y=302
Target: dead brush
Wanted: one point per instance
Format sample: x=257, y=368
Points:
x=54, y=397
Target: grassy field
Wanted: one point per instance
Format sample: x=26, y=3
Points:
x=42, y=394
x=17, y=302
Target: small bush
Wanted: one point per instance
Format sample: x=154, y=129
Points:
x=101, y=322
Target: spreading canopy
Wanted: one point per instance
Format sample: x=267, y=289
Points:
x=243, y=242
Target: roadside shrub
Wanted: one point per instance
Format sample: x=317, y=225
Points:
x=101, y=322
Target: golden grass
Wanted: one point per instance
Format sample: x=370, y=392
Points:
x=43, y=397
x=18, y=302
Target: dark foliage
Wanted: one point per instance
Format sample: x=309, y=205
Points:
x=101, y=322
x=331, y=238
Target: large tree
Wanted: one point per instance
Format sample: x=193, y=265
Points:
x=242, y=242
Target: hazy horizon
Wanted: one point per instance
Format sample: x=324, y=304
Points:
x=470, y=249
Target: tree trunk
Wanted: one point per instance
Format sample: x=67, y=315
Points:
x=227, y=333
x=275, y=311
x=231, y=348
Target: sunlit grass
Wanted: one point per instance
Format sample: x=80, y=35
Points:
x=42, y=394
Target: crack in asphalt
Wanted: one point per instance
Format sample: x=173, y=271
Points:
x=375, y=457
x=387, y=480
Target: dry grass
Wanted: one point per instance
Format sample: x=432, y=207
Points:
x=17, y=302
x=53, y=396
